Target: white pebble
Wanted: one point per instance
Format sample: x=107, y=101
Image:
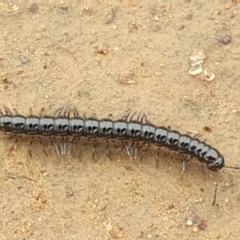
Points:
x=209, y=76
x=189, y=222
x=196, y=69
x=149, y=236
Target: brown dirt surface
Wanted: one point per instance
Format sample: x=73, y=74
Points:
x=106, y=57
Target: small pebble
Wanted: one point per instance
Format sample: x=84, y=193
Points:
x=196, y=69
x=127, y=77
x=149, y=236
x=197, y=56
x=189, y=222
x=195, y=229
x=108, y=226
x=227, y=7
x=24, y=59
x=196, y=61
x=63, y=7
x=42, y=28
x=102, y=50
x=15, y=7
x=69, y=192
x=33, y=8
x=209, y=76
x=3, y=76
x=226, y=39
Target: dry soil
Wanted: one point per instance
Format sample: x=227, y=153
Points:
x=106, y=57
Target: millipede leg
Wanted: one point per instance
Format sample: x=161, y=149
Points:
x=15, y=111
x=129, y=116
x=72, y=145
x=131, y=150
x=30, y=147
x=122, y=146
x=70, y=109
x=7, y=110
x=75, y=111
x=9, y=139
x=157, y=159
x=168, y=163
x=107, y=150
x=63, y=146
x=141, y=117
x=58, y=112
x=135, y=151
x=54, y=145
x=83, y=146
x=216, y=188
x=144, y=152
x=145, y=120
x=183, y=165
x=30, y=112
x=116, y=146
x=66, y=111
x=198, y=135
x=70, y=148
x=14, y=144
x=42, y=112
x=136, y=146
x=93, y=150
x=42, y=147
x=203, y=171
x=126, y=148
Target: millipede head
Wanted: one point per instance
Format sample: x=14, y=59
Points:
x=216, y=165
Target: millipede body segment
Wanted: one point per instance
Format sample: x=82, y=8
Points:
x=64, y=125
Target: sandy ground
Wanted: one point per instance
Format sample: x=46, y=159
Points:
x=106, y=58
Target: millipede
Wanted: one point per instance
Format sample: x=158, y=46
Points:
x=133, y=134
